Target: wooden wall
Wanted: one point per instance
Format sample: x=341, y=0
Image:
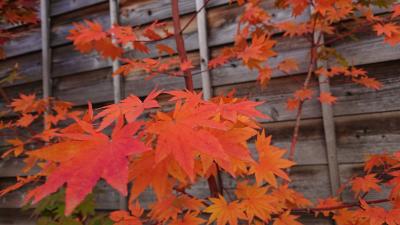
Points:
x=366, y=121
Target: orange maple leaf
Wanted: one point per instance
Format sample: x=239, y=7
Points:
x=17, y=149
x=303, y=94
x=329, y=202
x=286, y=219
x=145, y=171
x=271, y=162
x=255, y=201
x=369, y=82
x=379, y=160
x=288, y=65
x=224, y=212
x=387, y=29
x=326, y=97
x=189, y=219
x=85, y=159
x=124, y=218
x=396, y=11
x=292, y=104
x=130, y=108
x=170, y=207
x=365, y=184
x=264, y=76
x=259, y=50
x=165, y=48
x=186, y=65
x=26, y=119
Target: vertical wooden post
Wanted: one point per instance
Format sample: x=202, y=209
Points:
x=117, y=80
x=330, y=136
x=328, y=123
x=203, y=47
x=46, y=50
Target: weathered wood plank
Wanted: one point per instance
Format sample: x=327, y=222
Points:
x=64, y=6
x=16, y=217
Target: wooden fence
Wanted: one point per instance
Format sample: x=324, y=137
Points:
x=362, y=122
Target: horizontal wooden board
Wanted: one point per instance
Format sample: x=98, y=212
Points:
x=58, y=7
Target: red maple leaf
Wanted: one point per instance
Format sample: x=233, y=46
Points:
x=86, y=158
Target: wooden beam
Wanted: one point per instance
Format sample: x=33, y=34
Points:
x=328, y=122
x=46, y=50
x=117, y=80
x=330, y=135
x=203, y=47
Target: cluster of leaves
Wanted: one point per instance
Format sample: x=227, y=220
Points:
x=170, y=153
x=90, y=36
x=15, y=12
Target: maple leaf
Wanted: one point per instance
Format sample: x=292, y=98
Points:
x=396, y=11
x=26, y=119
x=378, y=160
x=180, y=134
x=259, y=50
x=170, y=207
x=231, y=108
x=165, y=48
x=150, y=31
x=189, y=97
x=17, y=149
x=24, y=104
x=144, y=172
x=188, y=219
x=106, y=48
x=288, y=65
x=124, y=218
x=387, y=29
x=186, y=65
x=375, y=215
x=329, y=202
x=303, y=94
x=290, y=198
x=326, y=97
x=292, y=29
x=21, y=181
x=292, y=104
x=264, y=76
x=271, y=161
x=85, y=159
x=286, y=219
x=369, y=82
x=223, y=58
x=255, y=201
x=131, y=108
x=224, y=212
x=234, y=144
x=365, y=184
x=124, y=34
